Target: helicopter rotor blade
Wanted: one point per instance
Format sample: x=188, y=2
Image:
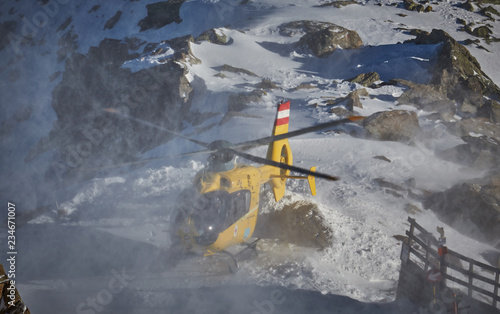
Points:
x=267, y=140
x=124, y=115
x=143, y=161
x=282, y=165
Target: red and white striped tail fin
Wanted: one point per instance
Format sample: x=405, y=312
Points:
x=282, y=119
x=280, y=150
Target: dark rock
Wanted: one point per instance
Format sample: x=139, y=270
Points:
x=426, y=97
x=416, y=32
x=267, y=84
x=468, y=108
x=365, y=79
x=396, y=125
x=472, y=208
x=322, y=38
x=305, y=86
x=161, y=14
x=428, y=8
x=86, y=135
x=412, y=6
x=383, y=158
x=457, y=73
x=412, y=209
x=487, y=11
x=324, y=42
x=472, y=42
x=241, y=101
x=182, y=48
x=231, y=114
x=350, y=101
x=479, y=152
x=490, y=110
x=381, y=182
x=232, y=69
x=337, y=4
x=301, y=27
x=220, y=74
x=112, y=21
x=65, y=24
x=480, y=126
x=482, y=32
x=134, y=43
x=467, y=6
x=341, y=112
x=94, y=8
x=213, y=36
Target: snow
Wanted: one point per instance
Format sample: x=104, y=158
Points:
x=147, y=61
x=128, y=212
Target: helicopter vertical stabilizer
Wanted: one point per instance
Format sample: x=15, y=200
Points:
x=280, y=150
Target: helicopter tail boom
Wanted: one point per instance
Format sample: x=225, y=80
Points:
x=280, y=151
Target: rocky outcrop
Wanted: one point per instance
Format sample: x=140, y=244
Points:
x=233, y=69
x=344, y=106
x=94, y=86
x=324, y=42
x=457, y=74
x=472, y=208
x=366, y=79
x=239, y=102
x=467, y=6
x=396, y=125
x=161, y=14
x=267, y=84
x=112, y=21
x=300, y=28
x=428, y=98
x=214, y=36
x=337, y=4
x=321, y=38
x=479, y=152
x=412, y=6
x=490, y=110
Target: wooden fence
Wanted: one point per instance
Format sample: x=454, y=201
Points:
x=481, y=281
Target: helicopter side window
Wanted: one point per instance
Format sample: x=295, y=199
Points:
x=240, y=204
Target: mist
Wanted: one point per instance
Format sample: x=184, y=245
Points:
x=101, y=102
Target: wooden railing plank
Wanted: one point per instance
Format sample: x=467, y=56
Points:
x=428, y=241
x=478, y=289
x=422, y=244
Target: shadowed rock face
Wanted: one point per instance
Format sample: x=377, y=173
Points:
x=87, y=135
x=396, y=125
x=457, y=73
x=161, y=14
x=472, y=208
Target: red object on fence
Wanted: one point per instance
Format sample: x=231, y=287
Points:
x=434, y=275
x=443, y=250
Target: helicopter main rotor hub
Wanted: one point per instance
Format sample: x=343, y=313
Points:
x=221, y=159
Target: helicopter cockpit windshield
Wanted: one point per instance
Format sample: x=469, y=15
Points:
x=212, y=212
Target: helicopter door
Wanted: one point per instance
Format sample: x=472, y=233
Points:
x=239, y=204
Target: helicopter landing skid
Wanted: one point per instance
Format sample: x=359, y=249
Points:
x=241, y=255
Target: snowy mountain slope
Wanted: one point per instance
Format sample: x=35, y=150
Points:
x=119, y=220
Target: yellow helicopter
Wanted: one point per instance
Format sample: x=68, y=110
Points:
x=220, y=210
